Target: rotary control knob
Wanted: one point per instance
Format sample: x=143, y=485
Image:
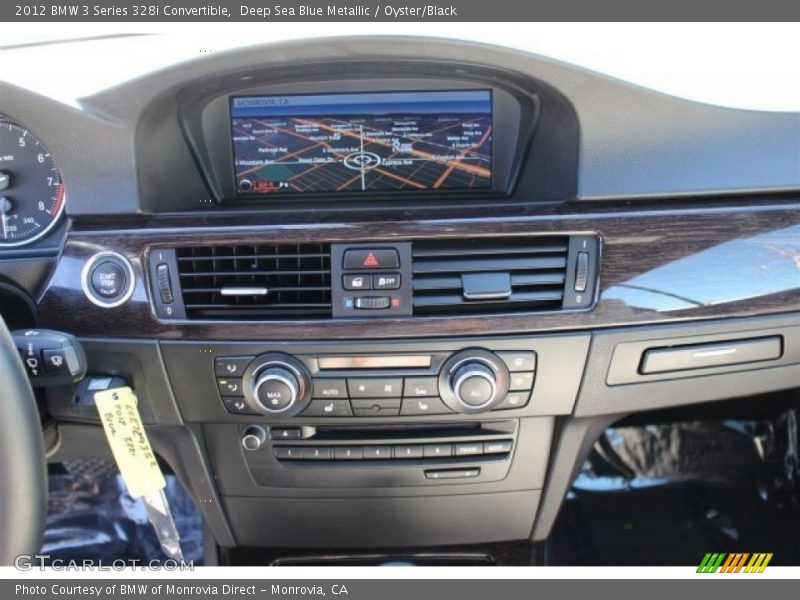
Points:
x=275, y=389
x=277, y=384
x=254, y=437
x=473, y=381
x=474, y=384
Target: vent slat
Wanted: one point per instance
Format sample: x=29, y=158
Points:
x=470, y=250
x=475, y=264
x=271, y=290
x=253, y=256
x=536, y=266
x=248, y=272
x=297, y=278
x=256, y=306
x=517, y=279
x=525, y=279
x=452, y=299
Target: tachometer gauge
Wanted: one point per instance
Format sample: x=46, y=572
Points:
x=31, y=191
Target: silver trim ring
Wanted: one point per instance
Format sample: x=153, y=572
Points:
x=474, y=373
x=259, y=437
x=87, y=272
x=262, y=379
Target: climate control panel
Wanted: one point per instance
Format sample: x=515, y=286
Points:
x=381, y=381
x=469, y=381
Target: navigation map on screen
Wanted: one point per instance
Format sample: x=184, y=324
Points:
x=362, y=142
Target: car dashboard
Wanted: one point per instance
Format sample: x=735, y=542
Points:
x=376, y=293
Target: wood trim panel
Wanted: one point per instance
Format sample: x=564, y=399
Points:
x=660, y=263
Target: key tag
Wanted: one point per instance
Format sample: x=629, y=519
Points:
x=137, y=463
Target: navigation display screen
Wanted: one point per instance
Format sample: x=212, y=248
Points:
x=356, y=142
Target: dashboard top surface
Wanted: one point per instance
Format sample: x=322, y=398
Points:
x=632, y=143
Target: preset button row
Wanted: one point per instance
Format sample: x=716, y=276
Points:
x=393, y=452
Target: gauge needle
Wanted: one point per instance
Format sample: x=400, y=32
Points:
x=5, y=207
x=5, y=180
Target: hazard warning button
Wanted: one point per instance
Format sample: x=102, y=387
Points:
x=371, y=258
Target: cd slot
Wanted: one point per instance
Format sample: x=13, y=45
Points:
x=414, y=432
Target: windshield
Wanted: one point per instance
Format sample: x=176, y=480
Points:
x=710, y=64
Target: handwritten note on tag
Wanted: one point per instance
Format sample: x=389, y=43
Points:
x=128, y=440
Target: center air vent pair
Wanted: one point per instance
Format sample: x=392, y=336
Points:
x=483, y=275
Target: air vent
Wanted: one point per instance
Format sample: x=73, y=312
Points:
x=489, y=275
x=261, y=281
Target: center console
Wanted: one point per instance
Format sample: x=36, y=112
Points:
x=397, y=430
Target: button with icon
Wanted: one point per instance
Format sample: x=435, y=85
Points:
x=386, y=281
x=389, y=387
x=231, y=366
x=357, y=282
x=55, y=362
x=236, y=406
x=423, y=406
x=375, y=258
x=328, y=408
x=230, y=386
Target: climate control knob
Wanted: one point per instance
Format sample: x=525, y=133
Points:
x=275, y=389
x=473, y=381
x=474, y=384
x=277, y=384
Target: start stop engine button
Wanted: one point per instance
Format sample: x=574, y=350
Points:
x=108, y=279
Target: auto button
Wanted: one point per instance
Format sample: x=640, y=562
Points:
x=329, y=388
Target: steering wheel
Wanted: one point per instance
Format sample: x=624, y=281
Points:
x=23, y=471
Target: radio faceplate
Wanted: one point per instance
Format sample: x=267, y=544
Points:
x=421, y=455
